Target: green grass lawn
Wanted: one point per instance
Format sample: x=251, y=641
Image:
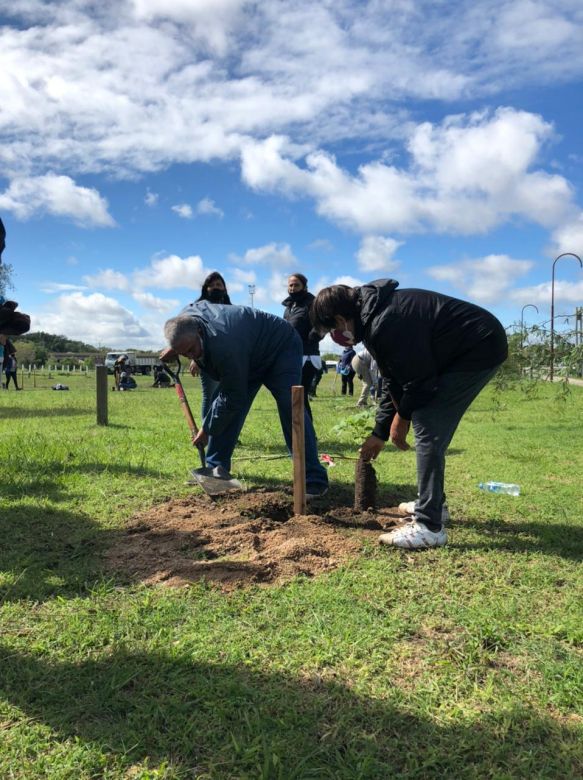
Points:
x=462, y=662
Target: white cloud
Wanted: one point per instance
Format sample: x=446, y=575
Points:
x=485, y=279
x=210, y=20
x=59, y=196
x=207, y=207
x=230, y=71
x=108, y=280
x=95, y=319
x=468, y=175
x=274, y=254
x=163, y=273
x=183, y=210
x=351, y=281
x=239, y=280
x=565, y=292
x=149, y=301
x=326, y=281
x=376, y=253
x=151, y=198
x=59, y=287
x=569, y=237
x=171, y=272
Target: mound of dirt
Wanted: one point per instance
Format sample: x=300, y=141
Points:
x=240, y=539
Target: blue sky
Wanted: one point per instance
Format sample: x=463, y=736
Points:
x=145, y=143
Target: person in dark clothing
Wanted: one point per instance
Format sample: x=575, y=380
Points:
x=297, y=313
x=12, y=322
x=161, y=378
x=317, y=379
x=10, y=365
x=214, y=290
x=119, y=367
x=242, y=349
x=126, y=381
x=435, y=353
x=346, y=371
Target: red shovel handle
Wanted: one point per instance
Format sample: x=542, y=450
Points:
x=186, y=409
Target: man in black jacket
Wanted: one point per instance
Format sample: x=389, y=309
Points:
x=435, y=354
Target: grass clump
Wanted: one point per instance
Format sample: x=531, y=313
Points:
x=460, y=662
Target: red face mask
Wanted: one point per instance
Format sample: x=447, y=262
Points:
x=344, y=338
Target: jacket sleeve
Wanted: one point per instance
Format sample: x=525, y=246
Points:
x=386, y=409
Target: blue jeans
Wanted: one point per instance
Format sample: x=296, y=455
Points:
x=210, y=389
x=434, y=426
x=278, y=378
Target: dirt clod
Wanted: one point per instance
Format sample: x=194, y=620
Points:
x=240, y=539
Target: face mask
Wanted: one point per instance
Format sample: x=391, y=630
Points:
x=344, y=338
x=216, y=296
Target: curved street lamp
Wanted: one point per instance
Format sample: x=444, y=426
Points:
x=522, y=322
x=565, y=254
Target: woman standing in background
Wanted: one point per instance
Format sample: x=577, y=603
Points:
x=214, y=290
x=297, y=312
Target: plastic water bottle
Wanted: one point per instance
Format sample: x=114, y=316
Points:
x=500, y=487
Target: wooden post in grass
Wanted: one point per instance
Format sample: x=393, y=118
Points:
x=101, y=388
x=298, y=449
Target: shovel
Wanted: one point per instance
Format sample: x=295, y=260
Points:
x=214, y=481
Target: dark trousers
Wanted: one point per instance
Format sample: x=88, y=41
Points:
x=348, y=383
x=284, y=372
x=434, y=426
x=11, y=375
x=309, y=371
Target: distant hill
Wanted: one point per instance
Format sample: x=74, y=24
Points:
x=54, y=343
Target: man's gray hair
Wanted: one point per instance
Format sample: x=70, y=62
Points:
x=177, y=328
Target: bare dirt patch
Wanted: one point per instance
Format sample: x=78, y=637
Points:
x=242, y=539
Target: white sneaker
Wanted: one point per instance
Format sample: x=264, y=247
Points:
x=408, y=508
x=414, y=536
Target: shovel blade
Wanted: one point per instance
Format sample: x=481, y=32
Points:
x=215, y=481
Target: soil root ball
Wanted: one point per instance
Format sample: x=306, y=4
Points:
x=365, y=486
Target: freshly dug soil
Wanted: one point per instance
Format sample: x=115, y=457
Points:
x=241, y=539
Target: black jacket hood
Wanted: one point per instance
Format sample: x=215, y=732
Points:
x=374, y=296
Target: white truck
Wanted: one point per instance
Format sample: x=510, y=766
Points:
x=137, y=364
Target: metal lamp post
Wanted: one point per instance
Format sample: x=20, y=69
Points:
x=565, y=254
x=522, y=322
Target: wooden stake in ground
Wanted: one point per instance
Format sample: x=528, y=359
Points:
x=365, y=486
x=298, y=449
x=101, y=388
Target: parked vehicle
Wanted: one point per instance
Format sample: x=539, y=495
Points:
x=136, y=364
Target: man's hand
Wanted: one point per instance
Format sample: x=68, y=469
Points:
x=371, y=447
x=201, y=439
x=169, y=355
x=399, y=431
x=193, y=368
